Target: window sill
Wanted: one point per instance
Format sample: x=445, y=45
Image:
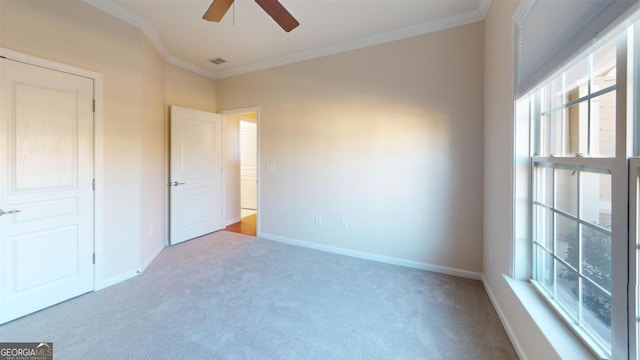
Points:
x=560, y=337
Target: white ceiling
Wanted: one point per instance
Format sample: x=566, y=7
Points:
x=250, y=40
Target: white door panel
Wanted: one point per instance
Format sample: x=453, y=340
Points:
x=46, y=172
x=196, y=174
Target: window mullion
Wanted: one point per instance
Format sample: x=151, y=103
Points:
x=580, y=248
x=552, y=234
x=619, y=212
x=589, y=90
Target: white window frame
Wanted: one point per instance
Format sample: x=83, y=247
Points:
x=624, y=257
x=633, y=249
x=634, y=257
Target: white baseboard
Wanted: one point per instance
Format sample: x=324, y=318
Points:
x=116, y=279
x=150, y=259
x=374, y=257
x=503, y=320
x=231, y=221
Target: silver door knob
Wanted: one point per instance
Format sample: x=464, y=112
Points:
x=2, y=212
x=175, y=183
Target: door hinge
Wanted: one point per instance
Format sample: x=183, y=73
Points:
x=94, y=258
x=94, y=105
x=93, y=184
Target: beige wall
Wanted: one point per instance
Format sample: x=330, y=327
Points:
x=138, y=85
x=498, y=143
x=388, y=138
x=190, y=90
x=153, y=192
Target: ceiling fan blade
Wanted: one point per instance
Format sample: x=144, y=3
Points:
x=217, y=9
x=273, y=7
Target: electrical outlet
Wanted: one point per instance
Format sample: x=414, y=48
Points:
x=344, y=224
x=318, y=220
x=271, y=167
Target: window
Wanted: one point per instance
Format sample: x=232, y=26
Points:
x=572, y=244
x=578, y=214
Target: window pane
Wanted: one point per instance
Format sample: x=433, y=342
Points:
x=596, y=313
x=603, y=108
x=544, y=269
x=567, y=289
x=603, y=124
x=545, y=99
x=566, y=191
x=567, y=244
x=556, y=90
x=544, y=186
x=542, y=229
x=578, y=128
x=577, y=78
x=558, y=142
x=604, y=61
x=544, y=130
x=595, y=198
x=596, y=256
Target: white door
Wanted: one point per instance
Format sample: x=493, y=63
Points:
x=195, y=174
x=248, y=165
x=46, y=173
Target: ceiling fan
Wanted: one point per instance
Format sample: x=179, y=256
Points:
x=272, y=7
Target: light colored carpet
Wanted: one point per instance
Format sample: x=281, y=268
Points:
x=232, y=296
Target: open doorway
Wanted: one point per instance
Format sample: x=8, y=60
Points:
x=241, y=169
x=248, y=164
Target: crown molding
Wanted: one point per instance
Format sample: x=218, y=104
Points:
x=155, y=39
x=118, y=11
x=190, y=67
x=112, y=8
x=404, y=33
x=483, y=7
x=136, y=20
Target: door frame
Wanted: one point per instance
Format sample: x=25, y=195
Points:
x=98, y=151
x=238, y=111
